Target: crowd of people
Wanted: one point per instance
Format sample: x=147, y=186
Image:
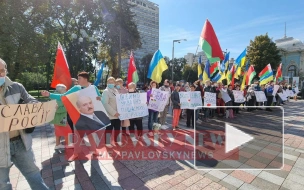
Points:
x=19, y=149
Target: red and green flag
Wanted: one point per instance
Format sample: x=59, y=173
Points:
x=214, y=67
x=266, y=75
x=250, y=75
x=132, y=72
x=208, y=42
x=279, y=76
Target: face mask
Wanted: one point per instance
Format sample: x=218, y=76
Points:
x=2, y=80
x=118, y=87
x=111, y=86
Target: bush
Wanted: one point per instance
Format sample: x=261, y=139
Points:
x=32, y=80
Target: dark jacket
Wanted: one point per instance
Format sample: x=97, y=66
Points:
x=85, y=123
x=175, y=99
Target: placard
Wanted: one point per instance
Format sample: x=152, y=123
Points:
x=296, y=90
x=225, y=96
x=275, y=89
x=21, y=116
x=260, y=96
x=86, y=110
x=282, y=96
x=158, y=100
x=290, y=93
x=210, y=99
x=190, y=100
x=285, y=93
x=132, y=105
x=238, y=96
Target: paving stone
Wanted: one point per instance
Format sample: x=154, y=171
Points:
x=243, y=175
x=288, y=184
x=190, y=181
x=176, y=180
x=226, y=185
x=264, y=184
x=247, y=186
x=136, y=182
x=271, y=177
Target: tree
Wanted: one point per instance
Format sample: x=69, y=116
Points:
x=178, y=66
x=190, y=73
x=263, y=51
x=142, y=67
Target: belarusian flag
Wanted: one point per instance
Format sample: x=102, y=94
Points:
x=132, y=72
x=214, y=67
x=279, y=76
x=266, y=75
x=250, y=74
x=61, y=70
x=208, y=42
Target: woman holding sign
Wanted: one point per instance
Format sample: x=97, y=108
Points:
x=152, y=113
x=135, y=121
x=109, y=102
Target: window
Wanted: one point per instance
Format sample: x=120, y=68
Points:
x=292, y=71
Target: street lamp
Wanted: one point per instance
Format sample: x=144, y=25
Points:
x=173, y=52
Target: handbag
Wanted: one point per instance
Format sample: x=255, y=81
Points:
x=125, y=123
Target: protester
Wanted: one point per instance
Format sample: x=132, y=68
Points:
x=163, y=114
x=207, y=88
x=176, y=107
x=269, y=90
x=119, y=86
x=60, y=120
x=152, y=113
x=236, y=108
x=122, y=90
x=230, y=103
x=84, y=82
x=219, y=100
x=16, y=146
x=250, y=97
x=135, y=121
x=190, y=112
x=295, y=93
x=110, y=105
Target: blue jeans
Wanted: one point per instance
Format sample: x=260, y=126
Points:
x=152, y=119
x=24, y=161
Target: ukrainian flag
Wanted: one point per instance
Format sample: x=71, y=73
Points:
x=206, y=75
x=240, y=62
x=157, y=67
x=199, y=68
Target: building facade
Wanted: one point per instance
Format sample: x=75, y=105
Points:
x=292, y=54
x=191, y=58
x=147, y=20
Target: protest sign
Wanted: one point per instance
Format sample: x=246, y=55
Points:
x=260, y=96
x=290, y=92
x=238, y=96
x=275, y=89
x=158, y=100
x=225, y=96
x=210, y=99
x=296, y=90
x=190, y=100
x=274, y=99
x=86, y=110
x=282, y=96
x=22, y=116
x=285, y=93
x=132, y=105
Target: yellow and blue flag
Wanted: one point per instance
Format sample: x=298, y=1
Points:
x=157, y=67
x=99, y=75
x=199, y=68
x=206, y=75
x=240, y=62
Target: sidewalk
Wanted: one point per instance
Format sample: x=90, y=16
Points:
x=108, y=174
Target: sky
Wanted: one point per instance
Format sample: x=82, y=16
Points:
x=235, y=22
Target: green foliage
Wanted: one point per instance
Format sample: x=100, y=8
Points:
x=32, y=80
x=142, y=67
x=263, y=51
x=190, y=73
x=31, y=29
x=178, y=66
